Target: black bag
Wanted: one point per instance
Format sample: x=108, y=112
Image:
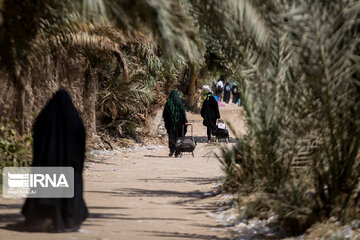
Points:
x=186, y=144
x=221, y=133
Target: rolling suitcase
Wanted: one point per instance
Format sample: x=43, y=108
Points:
x=221, y=132
x=185, y=144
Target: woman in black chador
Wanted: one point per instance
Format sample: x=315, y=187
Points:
x=210, y=113
x=59, y=140
x=227, y=91
x=175, y=120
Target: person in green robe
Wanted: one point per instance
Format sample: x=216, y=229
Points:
x=175, y=120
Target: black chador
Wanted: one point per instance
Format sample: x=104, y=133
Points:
x=59, y=140
x=210, y=113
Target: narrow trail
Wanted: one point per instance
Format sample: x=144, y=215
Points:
x=146, y=194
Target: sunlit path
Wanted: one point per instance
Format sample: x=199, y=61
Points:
x=144, y=194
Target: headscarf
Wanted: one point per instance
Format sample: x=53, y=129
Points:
x=208, y=95
x=175, y=107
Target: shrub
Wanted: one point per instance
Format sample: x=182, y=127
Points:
x=15, y=150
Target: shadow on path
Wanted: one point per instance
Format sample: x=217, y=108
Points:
x=197, y=180
x=154, y=156
x=137, y=192
x=16, y=220
x=203, y=139
x=169, y=235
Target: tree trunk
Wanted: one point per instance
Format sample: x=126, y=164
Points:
x=89, y=101
x=20, y=104
x=192, y=87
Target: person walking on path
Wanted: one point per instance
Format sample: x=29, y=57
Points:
x=210, y=113
x=220, y=88
x=175, y=120
x=235, y=93
x=59, y=141
x=227, y=91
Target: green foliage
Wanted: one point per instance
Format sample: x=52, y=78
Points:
x=295, y=205
x=301, y=96
x=255, y=205
x=297, y=64
x=15, y=150
x=93, y=30
x=167, y=21
x=123, y=103
x=332, y=76
x=234, y=173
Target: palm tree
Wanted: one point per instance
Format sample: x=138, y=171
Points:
x=297, y=62
x=26, y=24
x=298, y=66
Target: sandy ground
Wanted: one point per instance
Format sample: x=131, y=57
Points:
x=144, y=194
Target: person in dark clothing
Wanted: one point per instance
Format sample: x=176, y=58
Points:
x=175, y=120
x=235, y=93
x=210, y=113
x=220, y=88
x=59, y=140
x=213, y=87
x=227, y=91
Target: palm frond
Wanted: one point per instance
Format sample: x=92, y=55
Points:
x=167, y=20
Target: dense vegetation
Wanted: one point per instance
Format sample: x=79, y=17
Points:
x=301, y=95
x=297, y=62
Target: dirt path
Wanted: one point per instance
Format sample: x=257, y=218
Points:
x=143, y=194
